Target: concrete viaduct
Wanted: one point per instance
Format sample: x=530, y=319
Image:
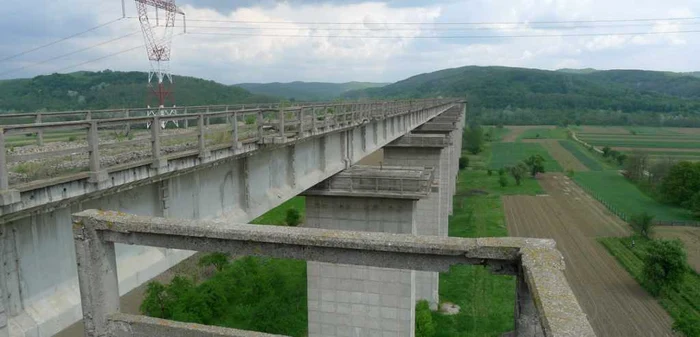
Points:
x=241, y=162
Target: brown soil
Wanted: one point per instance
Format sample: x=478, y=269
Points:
x=687, y=131
x=567, y=160
x=613, y=301
x=517, y=130
x=690, y=237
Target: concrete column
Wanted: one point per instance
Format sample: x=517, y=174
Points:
x=346, y=300
x=432, y=212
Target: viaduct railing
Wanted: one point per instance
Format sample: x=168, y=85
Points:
x=100, y=143
x=545, y=305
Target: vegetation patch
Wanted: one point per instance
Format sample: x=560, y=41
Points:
x=616, y=192
x=591, y=163
x=681, y=301
x=509, y=154
x=278, y=215
x=544, y=133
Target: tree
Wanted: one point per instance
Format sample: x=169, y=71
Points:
x=687, y=324
x=681, y=183
x=636, y=166
x=664, y=265
x=293, y=217
x=518, y=172
x=503, y=180
x=535, y=164
x=606, y=151
x=643, y=223
x=424, y=320
x=463, y=162
x=695, y=204
x=621, y=159
x=473, y=138
x=218, y=260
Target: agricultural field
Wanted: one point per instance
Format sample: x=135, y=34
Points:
x=658, y=143
x=516, y=131
x=582, y=155
x=615, y=304
x=625, y=198
x=509, y=154
x=544, y=133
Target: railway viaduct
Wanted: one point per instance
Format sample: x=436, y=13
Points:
x=238, y=163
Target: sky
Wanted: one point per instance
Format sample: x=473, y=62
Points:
x=338, y=41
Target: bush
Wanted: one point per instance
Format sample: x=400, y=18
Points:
x=218, y=260
x=463, y=162
x=72, y=138
x=664, y=265
x=489, y=172
x=502, y=180
x=642, y=223
x=293, y=217
x=570, y=173
x=689, y=325
x=424, y=320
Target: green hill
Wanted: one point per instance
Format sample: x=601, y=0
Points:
x=307, y=91
x=111, y=89
x=529, y=96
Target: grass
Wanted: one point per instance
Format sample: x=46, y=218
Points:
x=509, y=154
x=544, y=133
x=624, y=196
x=277, y=215
x=580, y=154
x=685, y=300
x=497, y=133
x=486, y=300
x=645, y=144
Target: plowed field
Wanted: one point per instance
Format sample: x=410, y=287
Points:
x=517, y=130
x=615, y=304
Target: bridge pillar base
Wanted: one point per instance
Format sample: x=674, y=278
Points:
x=160, y=164
x=98, y=177
x=9, y=197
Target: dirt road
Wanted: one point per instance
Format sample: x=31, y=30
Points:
x=615, y=304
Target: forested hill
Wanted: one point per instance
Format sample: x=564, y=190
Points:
x=110, y=89
x=554, y=93
x=307, y=91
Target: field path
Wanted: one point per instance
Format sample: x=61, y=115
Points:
x=615, y=304
x=560, y=154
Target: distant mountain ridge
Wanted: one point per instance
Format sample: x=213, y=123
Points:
x=630, y=91
x=307, y=91
x=111, y=89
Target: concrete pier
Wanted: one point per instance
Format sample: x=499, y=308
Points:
x=426, y=150
x=345, y=300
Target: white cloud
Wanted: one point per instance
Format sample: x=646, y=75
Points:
x=353, y=52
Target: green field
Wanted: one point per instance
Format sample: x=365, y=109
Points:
x=509, y=154
x=277, y=215
x=544, y=133
x=486, y=300
x=644, y=144
x=577, y=151
x=615, y=190
x=678, y=302
x=497, y=133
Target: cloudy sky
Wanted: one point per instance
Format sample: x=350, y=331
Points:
x=335, y=41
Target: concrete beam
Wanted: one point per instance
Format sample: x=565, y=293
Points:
x=542, y=265
x=123, y=325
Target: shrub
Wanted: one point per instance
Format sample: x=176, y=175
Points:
x=689, y=325
x=72, y=138
x=642, y=223
x=664, y=265
x=293, y=217
x=489, y=172
x=424, y=320
x=463, y=162
x=570, y=173
x=502, y=180
x=218, y=260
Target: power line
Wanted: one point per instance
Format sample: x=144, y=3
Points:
x=447, y=36
x=60, y=40
x=100, y=58
x=448, y=23
x=436, y=28
x=68, y=54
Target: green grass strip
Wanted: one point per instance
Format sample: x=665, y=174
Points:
x=509, y=154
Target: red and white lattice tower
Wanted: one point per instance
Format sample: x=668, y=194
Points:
x=159, y=38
